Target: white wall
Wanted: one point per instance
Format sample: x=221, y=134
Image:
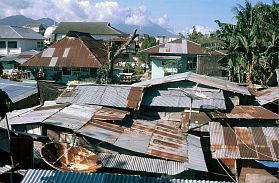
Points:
x=22, y=45
x=157, y=70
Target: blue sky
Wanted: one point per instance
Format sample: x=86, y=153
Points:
x=175, y=15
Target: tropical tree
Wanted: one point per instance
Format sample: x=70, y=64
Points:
x=148, y=42
x=252, y=42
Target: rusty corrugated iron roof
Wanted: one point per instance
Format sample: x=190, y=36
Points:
x=261, y=143
x=180, y=46
x=123, y=96
x=110, y=114
x=247, y=112
x=79, y=51
x=156, y=138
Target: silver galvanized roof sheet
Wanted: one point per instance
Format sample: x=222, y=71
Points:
x=261, y=143
x=4, y=168
x=195, y=154
x=35, y=114
x=176, y=98
x=72, y=117
x=268, y=95
x=136, y=163
x=42, y=176
x=105, y=95
x=196, y=78
x=18, y=90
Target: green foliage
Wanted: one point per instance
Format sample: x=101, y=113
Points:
x=198, y=37
x=252, y=42
x=148, y=42
x=102, y=75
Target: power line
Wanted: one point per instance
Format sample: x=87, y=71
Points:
x=226, y=171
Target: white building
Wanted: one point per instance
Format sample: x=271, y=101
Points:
x=49, y=37
x=14, y=40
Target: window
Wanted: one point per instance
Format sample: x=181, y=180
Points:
x=191, y=63
x=66, y=71
x=12, y=44
x=2, y=44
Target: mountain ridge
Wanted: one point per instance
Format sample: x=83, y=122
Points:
x=151, y=29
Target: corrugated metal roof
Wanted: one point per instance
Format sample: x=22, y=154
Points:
x=93, y=28
x=175, y=98
x=155, y=138
x=196, y=78
x=33, y=115
x=180, y=46
x=82, y=51
x=266, y=96
x=20, y=58
x=4, y=168
x=261, y=143
x=141, y=164
x=18, y=90
x=72, y=117
x=247, y=112
x=14, y=32
x=110, y=114
x=42, y=176
x=105, y=95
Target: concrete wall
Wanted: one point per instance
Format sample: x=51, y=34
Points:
x=157, y=70
x=22, y=45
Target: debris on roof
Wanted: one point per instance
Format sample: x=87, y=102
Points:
x=122, y=96
x=260, y=143
x=196, y=78
x=247, y=112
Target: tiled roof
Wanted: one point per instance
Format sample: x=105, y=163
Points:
x=180, y=46
x=93, y=28
x=13, y=32
x=80, y=51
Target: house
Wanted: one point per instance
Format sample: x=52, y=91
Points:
x=244, y=139
x=22, y=94
x=98, y=30
x=49, y=37
x=13, y=61
x=182, y=55
x=14, y=40
x=74, y=57
x=39, y=28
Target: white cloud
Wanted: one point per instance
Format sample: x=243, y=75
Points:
x=199, y=28
x=81, y=10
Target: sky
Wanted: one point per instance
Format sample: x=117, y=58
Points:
x=174, y=15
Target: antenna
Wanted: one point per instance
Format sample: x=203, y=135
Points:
x=193, y=96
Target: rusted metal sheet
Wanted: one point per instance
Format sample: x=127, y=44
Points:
x=110, y=114
x=247, y=112
x=83, y=51
x=259, y=143
x=134, y=97
x=108, y=126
